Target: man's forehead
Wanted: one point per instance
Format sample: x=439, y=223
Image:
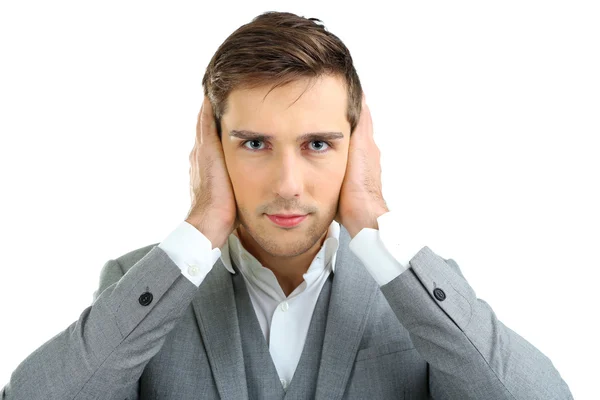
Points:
x=289, y=112
x=299, y=95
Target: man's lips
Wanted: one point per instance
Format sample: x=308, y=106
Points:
x=287, y=220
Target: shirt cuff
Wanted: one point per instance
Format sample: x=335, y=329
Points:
x=385, y=253
x=191, y=251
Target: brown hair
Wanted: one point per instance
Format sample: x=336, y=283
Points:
x=274, y=49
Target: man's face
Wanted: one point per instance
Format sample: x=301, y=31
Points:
x=285, y=174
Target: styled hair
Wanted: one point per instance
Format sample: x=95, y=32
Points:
x=277, y=48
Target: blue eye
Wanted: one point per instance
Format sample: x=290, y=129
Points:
x=255, y=145
x=320, y=150
x=251, y=141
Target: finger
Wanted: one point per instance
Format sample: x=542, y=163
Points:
x=207, y=121
x=368, y=116
x=365, y=108
x=199, y=124
x=364, y=121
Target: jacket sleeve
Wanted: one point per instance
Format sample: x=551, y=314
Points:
x=104, y=352
x=471, y=354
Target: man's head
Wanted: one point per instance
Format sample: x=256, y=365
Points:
x=271, y=82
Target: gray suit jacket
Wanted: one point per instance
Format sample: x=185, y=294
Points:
x=151, y=334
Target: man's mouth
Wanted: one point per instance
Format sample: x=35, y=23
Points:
x=287, y=220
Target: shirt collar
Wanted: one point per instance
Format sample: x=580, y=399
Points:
x=233, y=248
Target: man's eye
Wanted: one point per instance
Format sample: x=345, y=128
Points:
x=322, y=145
x=253, y=144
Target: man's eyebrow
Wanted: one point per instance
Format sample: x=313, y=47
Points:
x=249, y=135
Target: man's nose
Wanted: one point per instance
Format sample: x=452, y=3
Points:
x=288, y=183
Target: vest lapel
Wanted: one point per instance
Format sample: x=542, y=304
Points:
x=217, y=319
x=261, y=373
x=304, y=381
x=352, y=295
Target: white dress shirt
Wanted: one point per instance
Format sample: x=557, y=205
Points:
x=285, y=320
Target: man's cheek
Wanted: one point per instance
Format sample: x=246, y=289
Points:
x=247, y=190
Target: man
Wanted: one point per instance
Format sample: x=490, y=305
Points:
x=288, y=277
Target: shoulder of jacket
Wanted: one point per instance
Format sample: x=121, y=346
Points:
x=128, y=260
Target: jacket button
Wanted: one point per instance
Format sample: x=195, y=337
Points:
x=146, y=298
x=439, y=294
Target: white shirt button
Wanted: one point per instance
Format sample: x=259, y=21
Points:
x=193, y=269
x=285, y=306
x=284, y=383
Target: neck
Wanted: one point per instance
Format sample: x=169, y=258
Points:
x=289, y=271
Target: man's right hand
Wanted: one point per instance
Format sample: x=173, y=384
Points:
x=213, y=209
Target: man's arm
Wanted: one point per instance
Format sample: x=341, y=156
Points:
x=104, y=352
x=470, y=352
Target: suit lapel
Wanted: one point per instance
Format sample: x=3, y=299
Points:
x=216, y=314
x=352, y=295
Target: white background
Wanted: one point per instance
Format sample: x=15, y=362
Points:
x=487, y=116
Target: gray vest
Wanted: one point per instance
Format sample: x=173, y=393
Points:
x=261, y=375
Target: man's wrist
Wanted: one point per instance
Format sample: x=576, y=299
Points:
x=366, y=220
x=217, y=236
x=355, y=228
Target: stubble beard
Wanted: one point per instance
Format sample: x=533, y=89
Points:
x=279, y=243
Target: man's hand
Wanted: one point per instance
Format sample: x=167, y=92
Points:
x=213, y=210
x=361, y=200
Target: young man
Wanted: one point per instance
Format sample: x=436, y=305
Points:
x=289, y=277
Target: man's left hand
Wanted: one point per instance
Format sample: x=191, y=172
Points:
x=361, y=199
